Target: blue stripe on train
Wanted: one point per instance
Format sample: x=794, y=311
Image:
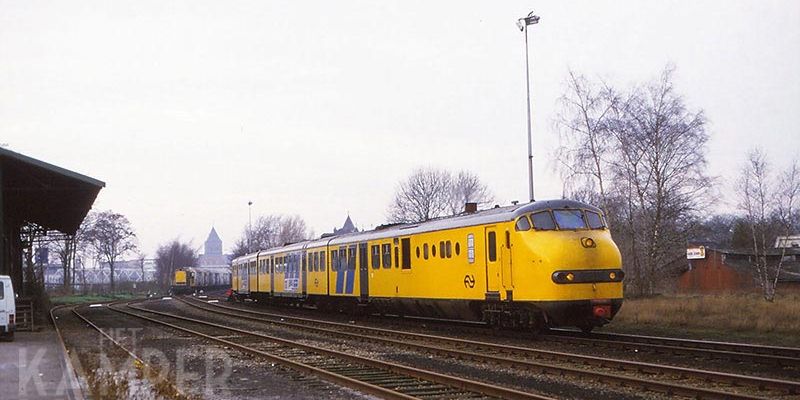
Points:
x=339, y=281
x=351, y=275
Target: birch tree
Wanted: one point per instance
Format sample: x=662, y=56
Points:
x=641, y=153
x=769, y=206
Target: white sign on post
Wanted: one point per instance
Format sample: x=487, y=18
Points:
x=696, y=253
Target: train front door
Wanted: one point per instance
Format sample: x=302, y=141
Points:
x=363, y=268
x=493, y=279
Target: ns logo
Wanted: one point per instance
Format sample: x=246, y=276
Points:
x=469, y=281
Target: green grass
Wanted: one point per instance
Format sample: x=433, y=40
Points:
x=737, y=318
x=89, y=298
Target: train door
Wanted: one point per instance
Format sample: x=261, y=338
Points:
x=271, y=272
x=304, y=273
x=363, y=268
x=253, y=277
x=492, y=261
x=505, y=261
x=244, y=280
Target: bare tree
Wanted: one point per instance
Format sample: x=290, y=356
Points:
x=271, y=231
x=642, y=155
x=171, y=256
x=431, y=193
x=67, y=249
x=769, y=206
x=422, y=196
x=111, y=236
x=466, y=187
x=587, y=114
x=140, y=258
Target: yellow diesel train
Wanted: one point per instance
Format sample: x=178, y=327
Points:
x=541, y=264
x=193, y=279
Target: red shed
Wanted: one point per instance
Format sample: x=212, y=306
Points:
x=712, y=270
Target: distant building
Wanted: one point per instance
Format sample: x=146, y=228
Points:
x=348, y=227
x=212, y=252
x=714, y=270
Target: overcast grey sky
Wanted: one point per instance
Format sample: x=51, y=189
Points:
x=190, y=109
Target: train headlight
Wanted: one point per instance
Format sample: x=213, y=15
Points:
x=570, y=277
x=612, y=276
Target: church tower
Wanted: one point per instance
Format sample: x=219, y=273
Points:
x=213, y=246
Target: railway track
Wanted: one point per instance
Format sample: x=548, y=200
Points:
x=785, y=356
x=727, y=351
x=147, y=370
x=772, y=356
x=379, y=378
x=661, y=378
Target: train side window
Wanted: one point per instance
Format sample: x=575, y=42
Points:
x=417, y=251
x=334, y=260
x=433, y=250
x=376, y=256
x=305, y=263
x=405, y=243
x=458, y=248
x=543, y=221
x=351, y=258
x=397, y=257
x=387, y=255
x=523, y=224
x=342, y=258
x=449, y=249
x=492, y=244
x=471, y=248
x=322, y=261
x=442, y=253
x=425, y=251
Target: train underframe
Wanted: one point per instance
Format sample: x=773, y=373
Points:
x=183, y=289
x=528, y=315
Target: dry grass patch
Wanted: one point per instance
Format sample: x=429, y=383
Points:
x=723, y=316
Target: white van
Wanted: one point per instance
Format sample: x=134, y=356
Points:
x=8, y=307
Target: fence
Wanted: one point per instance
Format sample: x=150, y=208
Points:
x=24, y=316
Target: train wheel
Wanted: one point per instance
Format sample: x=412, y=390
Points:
x=586, y=328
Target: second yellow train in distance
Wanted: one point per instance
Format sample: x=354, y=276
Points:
x=536, y=265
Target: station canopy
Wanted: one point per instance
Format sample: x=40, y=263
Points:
x=49, y=196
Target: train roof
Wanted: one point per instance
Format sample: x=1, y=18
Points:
x=482, y=217
x=212, y=269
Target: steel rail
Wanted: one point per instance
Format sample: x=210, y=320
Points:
x=772, y=355
x=147, y=369
x=73, y=393
x=633, y=366
x=452, y=381
x=791, y=353
x=766, y=359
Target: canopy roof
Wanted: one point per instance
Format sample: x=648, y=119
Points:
x=42, y=193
